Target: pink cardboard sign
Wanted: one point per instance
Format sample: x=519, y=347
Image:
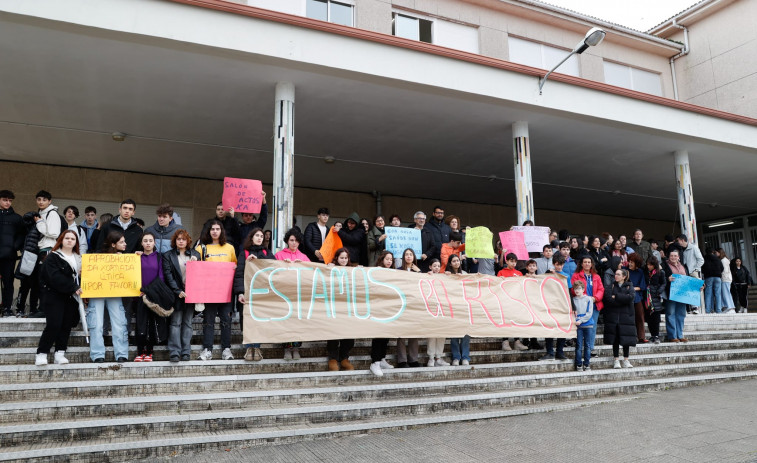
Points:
x=244, y=195
x=514, y=241
x=209, y=282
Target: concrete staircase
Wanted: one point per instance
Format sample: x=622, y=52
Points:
x=125, y=412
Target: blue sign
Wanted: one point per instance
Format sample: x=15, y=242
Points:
x=686, y=290
x=398, y=239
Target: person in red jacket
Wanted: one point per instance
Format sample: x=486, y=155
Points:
x=587, y=274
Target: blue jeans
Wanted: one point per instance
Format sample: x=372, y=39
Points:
x=120, y=334
x=584, y=339
x=726, y=300
x=675, y=314
x=593, y=334
x=180, y=331
x=460, y=348
x=712, y=294
x=549, y=344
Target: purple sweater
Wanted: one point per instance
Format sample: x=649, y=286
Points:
x=151, y=268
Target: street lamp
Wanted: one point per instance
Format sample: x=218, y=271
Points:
x=592, y=38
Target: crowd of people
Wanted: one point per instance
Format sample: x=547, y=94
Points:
x=619, y=283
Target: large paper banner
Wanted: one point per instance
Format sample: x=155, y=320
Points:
x=245, y=196
x=209, y=282
x=685, y=289
x=110, y=275
x=308, y=302
x=330, y=246
x=399, y=238
x=535, y=237
x=513, y=241
x=478, y=243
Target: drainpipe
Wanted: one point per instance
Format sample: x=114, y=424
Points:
x=377, y=195
x=684, y=52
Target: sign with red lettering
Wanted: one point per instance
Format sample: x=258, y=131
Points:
x=243, y=195
x=209, y=282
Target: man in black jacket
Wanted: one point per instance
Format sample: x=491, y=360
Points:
x=125, y=223
x=249, y=222
x=427, y=241
x=439, y=231
x=315, y=234
x=230, y=226
x=11, y=240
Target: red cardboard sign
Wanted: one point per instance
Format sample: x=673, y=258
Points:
x=514, y=241
x=244, y=195
x=209, y=282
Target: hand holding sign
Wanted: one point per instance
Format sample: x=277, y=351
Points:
x=111, y=275
x=535, y=237
x=685, y=289
x=209, y=282
x=242, y=195
x=478, y=243
x=398, y=239
x=513, y=241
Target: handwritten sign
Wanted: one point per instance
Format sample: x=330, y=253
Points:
x=685, y=289
x=513, y=241
x=110, y=275
x=209, y=282
x=535, y=237
x=398, y=239
x=308, y=302
x=478, y=243
x=243, y=195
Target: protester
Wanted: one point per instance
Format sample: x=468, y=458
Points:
x=230, y=226
x=742, y=280
x=511, y=260
x=164, y=228
x=439, y=232
x=675, y=312
x=59, y=282
x=408, y=356
x=49, y=225
x=558, y=262
x=291, y=253
x=427, y=240
x=354, y=239
x=378, y=345
x=376, y=239
x=125, y=223
x=249, y=222
x=692, y=257
x=339, y=349
x=597, y=254
x=712, y=269
x=460, y=347
x=315, y=235
x=251, y=249
x=70, y=214
x=435, y=346
x=726, y=300
x=267, y=239
x=639, y=283
x=618, y=250
x=454, y=247
x=113, y=243
x=214, y=248
x=584, y=307
x=619, y=325
x=594, y=289
x=95, y=239
x=175, y=273
x=150, y=328
x=656, y=281
x=544, y=263
x=89, y=224
x=11, y=241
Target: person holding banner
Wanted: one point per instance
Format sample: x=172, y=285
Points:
x=435, y=346
x=460, y=346
x=408, y=356
x=252, y=249
x=291, y=253
x=675, y=312
x=214, y=248
x=619, y=319
x=59, y=283
x=339, y=349
x=175, y=273
x=114, y=243
x=511, y=260
x=378, y=345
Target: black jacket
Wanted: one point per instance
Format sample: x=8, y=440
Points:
x=439, y=235
x=597, y=257
x=619, y=317
x=12, y=233
x=172, y=269
x=656, y=285
x=133, y=235
x=230, y=227
x=32, y=234
x=56, y=275
x=246, y=228
x=258, y=251
x=741, y=276
x=355, y=242
x=312, y=240
x=712, y=266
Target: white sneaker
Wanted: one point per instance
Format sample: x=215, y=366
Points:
x=288, y=354
x=376, y=369
x=40, y=360
x=60, y=357
x=455, y=362
x=227, y=355
x=695, y=310
x=431, y=362
x=441, y=363
x=519, y=345
x=627, y=364
x=466, y=362
x=295, y=353
x=506, y=345
x=616, y=365
x=385, y=365
x=205, y=355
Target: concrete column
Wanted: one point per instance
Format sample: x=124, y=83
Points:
x=524, y=192
x=283, y=164
x=685, y=197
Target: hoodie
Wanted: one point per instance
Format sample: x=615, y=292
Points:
x=163, y=235
x=89, y=231
x=49, y=227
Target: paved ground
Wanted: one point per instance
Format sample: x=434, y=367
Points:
x=715, y=423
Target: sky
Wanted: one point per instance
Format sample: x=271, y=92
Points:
x=637, y=14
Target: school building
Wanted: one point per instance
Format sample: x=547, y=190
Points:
x=400, y=105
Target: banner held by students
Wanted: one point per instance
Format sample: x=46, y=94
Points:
x=685, y=289
x=513, y=241
x=110, y=275
x=534, y=237
x=399, y=238
x=243, y=195
x=308, y=302
x=478, y=243
x=209, y=282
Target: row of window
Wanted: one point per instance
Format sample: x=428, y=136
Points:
x=461, y=37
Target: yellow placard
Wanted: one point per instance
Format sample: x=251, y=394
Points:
x=110, y=275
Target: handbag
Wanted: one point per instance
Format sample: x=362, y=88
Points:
x=159, y=298
x=27, y=263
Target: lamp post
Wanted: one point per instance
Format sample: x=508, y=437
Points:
x=592, y=38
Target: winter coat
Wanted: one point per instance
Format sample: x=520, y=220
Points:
x=656, y=283
x=741, y=276
x=439, y=235
x=692, y=258
x=638, y=279
x=132, y=234
x=172, y=271
x=258, y=251
x=355, y=241
x=598, y=290
x=246, y=228
x=712, y=266
x=12, y=233
x=596, y=257
x=313, y=240
x=375, y=245
x=163, y=235
x=49, y=226
x=57, y=276
x=643, y=249
x=619, y=316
